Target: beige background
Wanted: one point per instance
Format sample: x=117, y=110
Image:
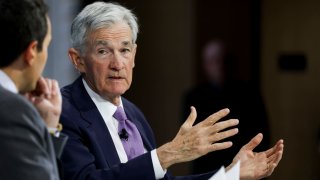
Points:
x=293, y=98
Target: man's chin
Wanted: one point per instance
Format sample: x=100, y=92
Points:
x=30, y=88
x=115, y=93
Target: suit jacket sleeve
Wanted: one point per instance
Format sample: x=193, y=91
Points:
x=26, y=150
x=59, y=143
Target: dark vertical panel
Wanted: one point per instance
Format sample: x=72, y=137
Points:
x=238, y=24
x=256, y=41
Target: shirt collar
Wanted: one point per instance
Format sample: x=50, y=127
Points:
x=7, y=83
x=100, y=101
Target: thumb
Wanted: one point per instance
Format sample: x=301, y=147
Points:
x=254, y=142
x=187, y=125
x=191, y=118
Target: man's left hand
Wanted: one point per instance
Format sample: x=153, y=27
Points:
x=257, y=165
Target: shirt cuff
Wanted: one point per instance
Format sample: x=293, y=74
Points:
x=55, y=131
x=158, y=171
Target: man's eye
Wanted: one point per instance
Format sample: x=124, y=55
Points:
x=125, y=50
x=102, y=51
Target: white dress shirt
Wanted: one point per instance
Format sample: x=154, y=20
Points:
x=107, y=109
x=7, y=83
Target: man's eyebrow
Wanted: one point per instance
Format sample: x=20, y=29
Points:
x=126, y=43
x=101, y=42
x=105, y=43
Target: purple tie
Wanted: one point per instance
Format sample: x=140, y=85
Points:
x=129, y=135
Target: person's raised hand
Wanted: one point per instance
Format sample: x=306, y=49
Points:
x=194, y=141
x=47, y=100
x=257, y=165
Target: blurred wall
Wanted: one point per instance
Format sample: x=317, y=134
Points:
x=58, y=66
x=293, y=96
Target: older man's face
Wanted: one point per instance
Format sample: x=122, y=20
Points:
x=108, y=61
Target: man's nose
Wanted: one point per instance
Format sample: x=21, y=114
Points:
x=117, y=62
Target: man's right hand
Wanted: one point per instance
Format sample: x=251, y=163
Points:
x=192, y=142
x=47, y=100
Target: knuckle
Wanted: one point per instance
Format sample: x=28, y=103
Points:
x=202, y=150
x=214, y=146
x=218, y=136
x=214, y=130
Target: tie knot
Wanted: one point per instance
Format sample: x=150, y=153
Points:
x=120, y=115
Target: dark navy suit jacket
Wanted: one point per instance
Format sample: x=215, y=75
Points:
x=90, y=152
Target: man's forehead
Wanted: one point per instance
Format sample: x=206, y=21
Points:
x=119, y=33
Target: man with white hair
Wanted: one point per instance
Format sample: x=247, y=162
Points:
x=109, y=137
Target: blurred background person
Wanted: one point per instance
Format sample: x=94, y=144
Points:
x=219, y=90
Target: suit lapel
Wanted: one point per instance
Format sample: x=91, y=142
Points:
x=135, y=119
x=96, y=125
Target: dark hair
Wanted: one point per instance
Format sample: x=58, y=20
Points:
x=22, y=21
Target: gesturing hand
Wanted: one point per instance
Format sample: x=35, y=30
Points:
x=47, y=99
x=192, y=142
x=257, y=165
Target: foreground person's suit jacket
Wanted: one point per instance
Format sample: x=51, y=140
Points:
x=90, y=152
x=27, y=150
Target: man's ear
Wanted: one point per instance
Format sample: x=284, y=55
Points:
x=76, y=60
x=134, y=53
x=30, y=53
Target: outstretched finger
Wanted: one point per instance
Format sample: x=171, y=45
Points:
x=55, y=92
x=223, y=135
x=275, y=158
x=220, y=146
x=254, y=142
x=187, y=125
x=215, y=117
x=49, y=87
x=278, y=146
x=223, y=125
x=278, y=157
x=272, y=158
x=55, y=87
x=191, y=118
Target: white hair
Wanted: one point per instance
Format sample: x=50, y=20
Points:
x=100, y=15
